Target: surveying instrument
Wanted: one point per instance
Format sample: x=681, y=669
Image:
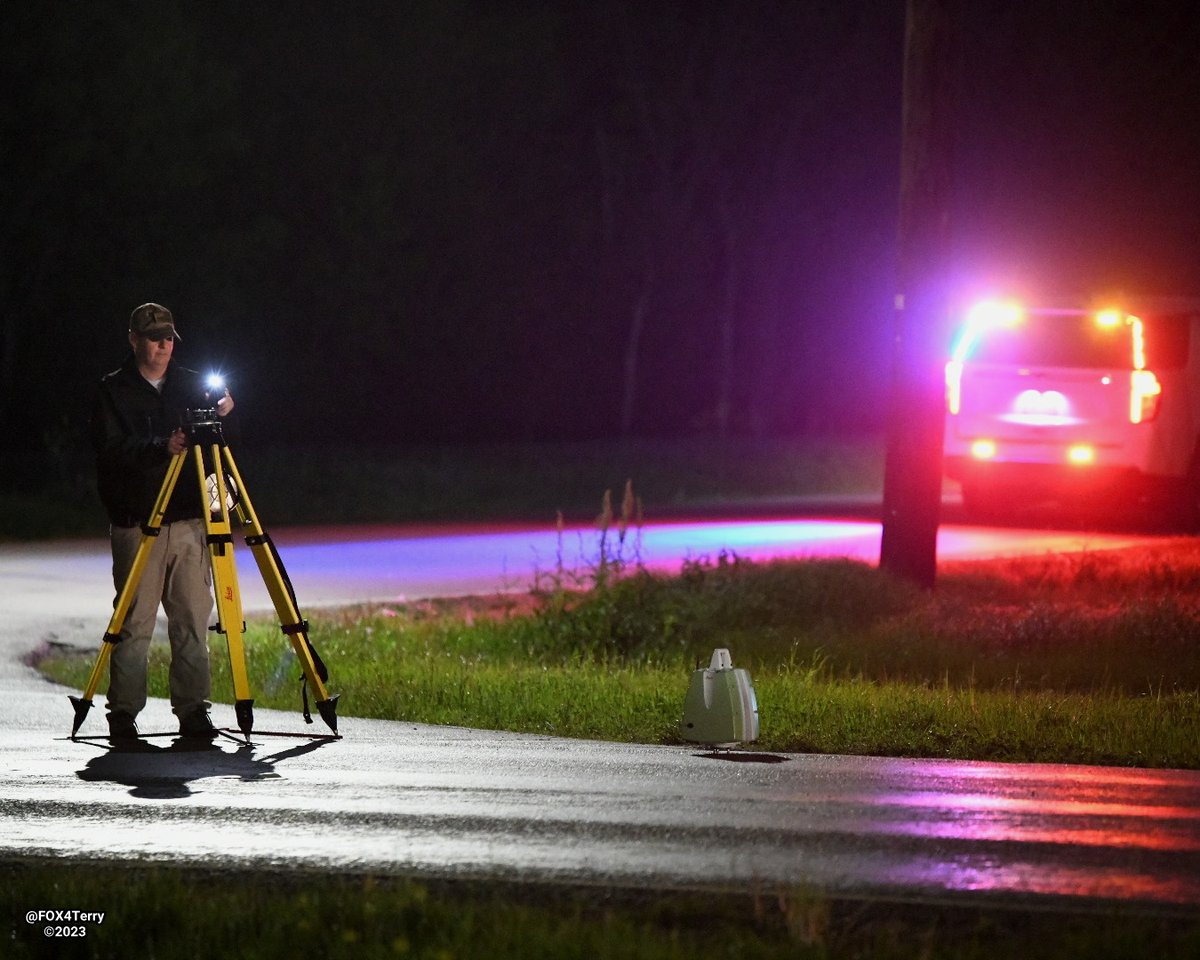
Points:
x=221, y=492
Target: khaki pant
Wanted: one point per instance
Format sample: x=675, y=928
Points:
x=178, y=576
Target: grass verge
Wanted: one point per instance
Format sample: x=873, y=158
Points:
x=172, y=914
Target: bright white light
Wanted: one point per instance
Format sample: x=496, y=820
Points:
x=994, y=313
x=982, y=317
x=215, y=383
x=1036, y=408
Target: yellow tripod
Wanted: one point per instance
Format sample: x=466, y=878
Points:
x=215, y=467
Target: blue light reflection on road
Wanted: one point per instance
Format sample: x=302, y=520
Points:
x=773, y=538
x=397, y=567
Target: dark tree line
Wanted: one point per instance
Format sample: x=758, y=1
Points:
x=456, y=219
x=444, y=219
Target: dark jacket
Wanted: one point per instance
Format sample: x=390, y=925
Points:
x=131, y=422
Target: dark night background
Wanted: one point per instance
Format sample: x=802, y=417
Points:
x=458, y=220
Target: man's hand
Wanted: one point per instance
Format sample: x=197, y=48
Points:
x=177, y=443
x=224, y=405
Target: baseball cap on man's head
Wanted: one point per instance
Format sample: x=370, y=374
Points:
x=154, y=321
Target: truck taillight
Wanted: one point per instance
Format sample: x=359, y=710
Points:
x=1145, y=392
x=1082, y=454
x=983, y=449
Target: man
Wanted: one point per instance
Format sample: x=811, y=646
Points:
x=137, y=427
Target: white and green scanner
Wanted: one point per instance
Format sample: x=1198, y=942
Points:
x=720, y=708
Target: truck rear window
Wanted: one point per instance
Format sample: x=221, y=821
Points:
x=1079, y=341
x=1056, y=341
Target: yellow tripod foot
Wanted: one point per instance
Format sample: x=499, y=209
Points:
x=244, y=711
x=81, y=711
x=328, y=711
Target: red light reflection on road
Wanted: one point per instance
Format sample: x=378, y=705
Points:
x=1127, y=814
x=981, y=817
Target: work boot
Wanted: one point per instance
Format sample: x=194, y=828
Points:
x=197, y=725
x=121, y=726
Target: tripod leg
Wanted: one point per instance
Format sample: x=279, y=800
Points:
x=230, y=619
x=112, y=634
x=283, y=597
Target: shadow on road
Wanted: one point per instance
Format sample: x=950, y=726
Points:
x=156, y=772
x=741, y=756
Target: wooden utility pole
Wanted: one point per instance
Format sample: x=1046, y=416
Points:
x=913, y=474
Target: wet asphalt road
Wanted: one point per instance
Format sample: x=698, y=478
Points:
x=398, y=798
